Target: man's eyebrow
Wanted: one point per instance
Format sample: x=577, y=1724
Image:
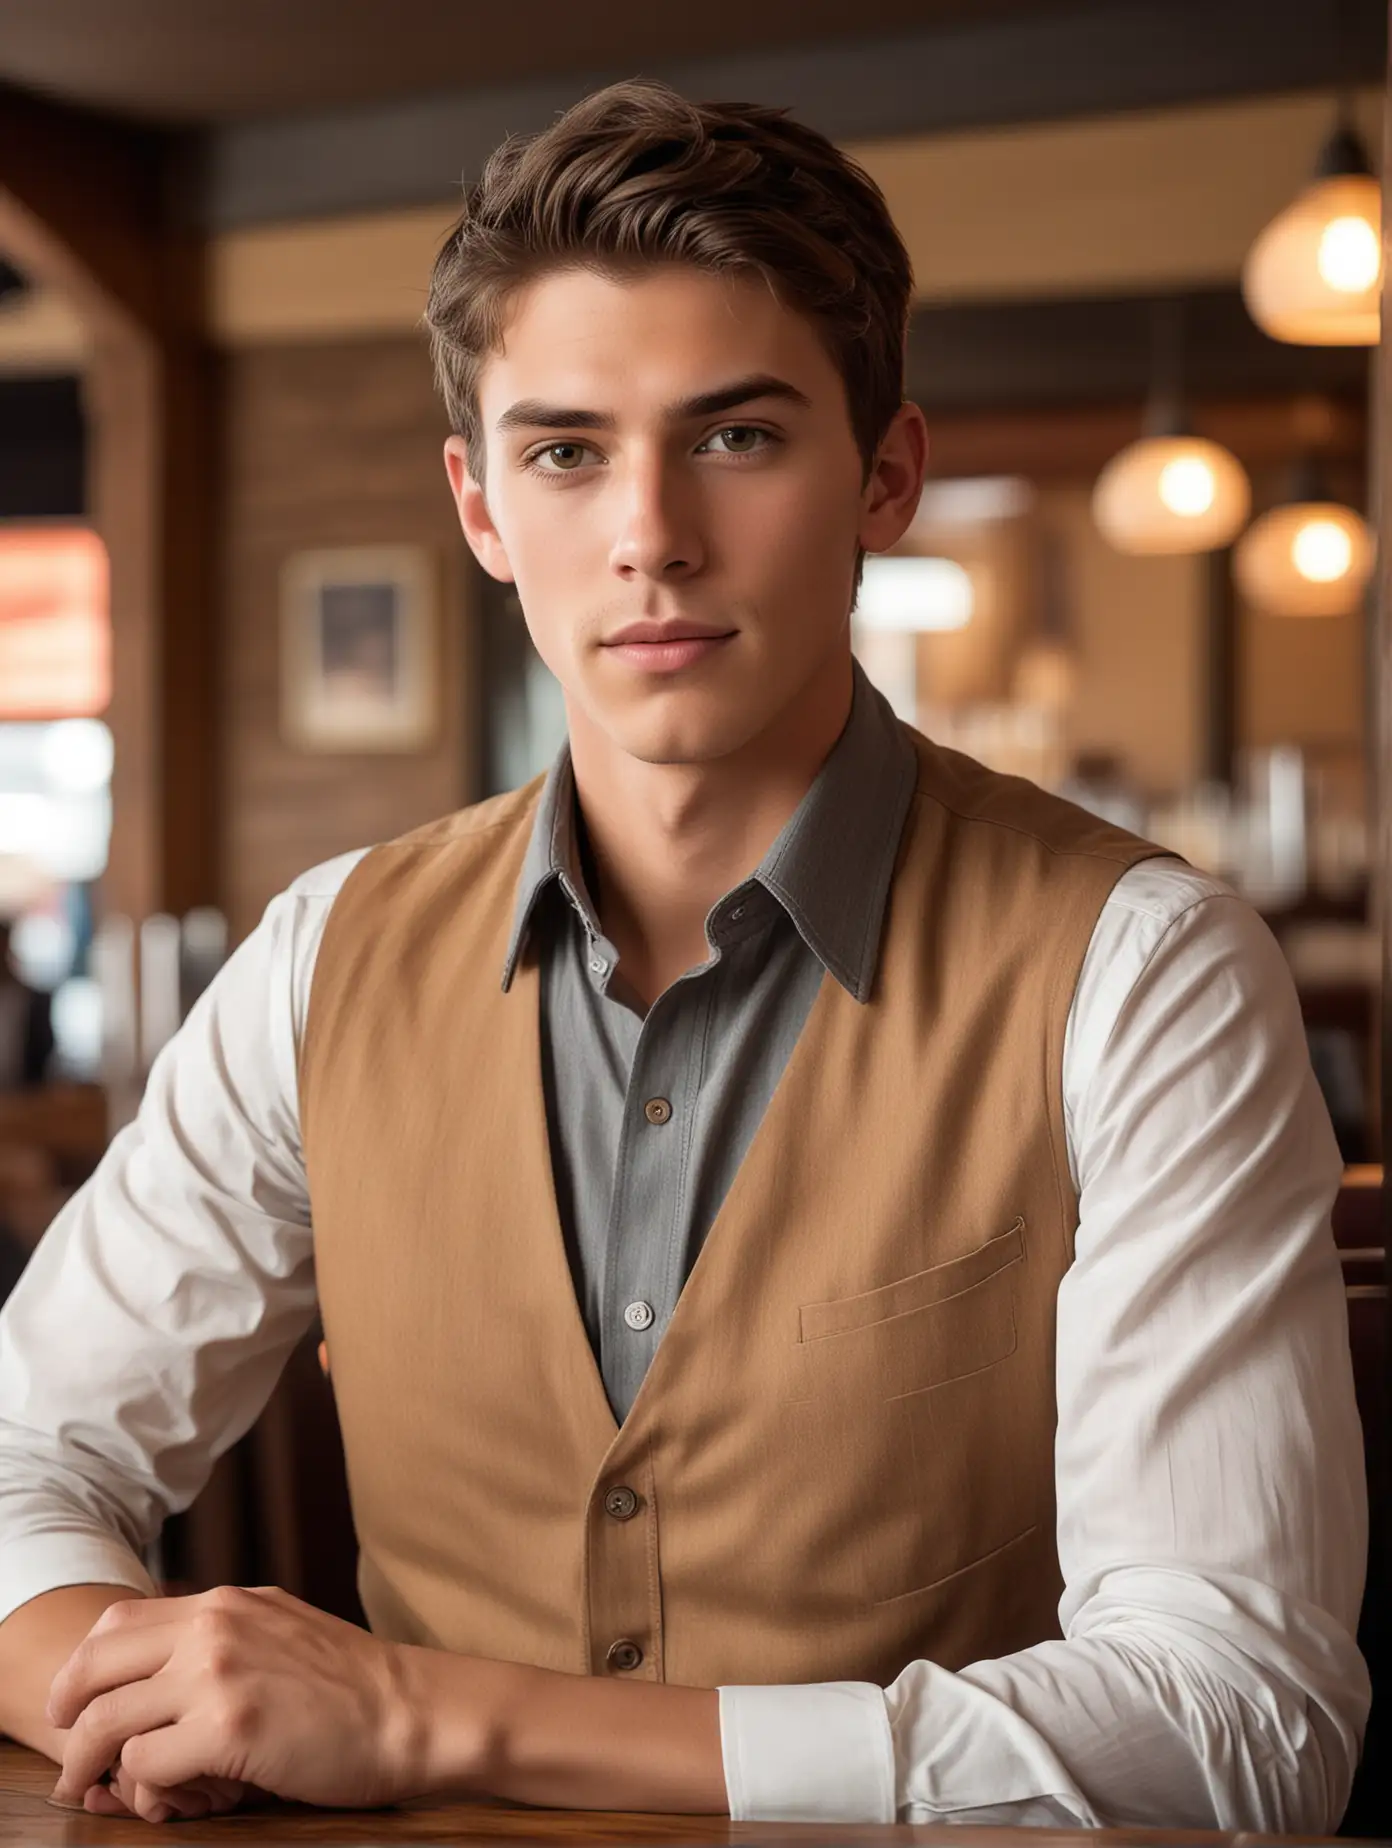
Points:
x=742, y=391
x=536, y=414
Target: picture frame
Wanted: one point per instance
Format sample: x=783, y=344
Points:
x=359, y=657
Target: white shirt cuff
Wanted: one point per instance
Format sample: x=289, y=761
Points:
x=816, y=1753
x=45, y=1562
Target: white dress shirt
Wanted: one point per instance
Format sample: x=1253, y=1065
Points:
x=1211, y=1503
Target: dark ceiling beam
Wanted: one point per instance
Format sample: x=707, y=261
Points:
x=1121, y=55
x=82, y=200
x=974, y=356
x=1070, y=444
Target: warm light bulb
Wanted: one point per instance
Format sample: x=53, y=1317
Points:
x=1305, y=558
x=1187, y=486
x=1322, y=552
x=1171, y=494
x=1349, y=255
x=1312, y=275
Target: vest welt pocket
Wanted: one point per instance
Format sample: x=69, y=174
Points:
x=937, y=1325
x=936, y=1285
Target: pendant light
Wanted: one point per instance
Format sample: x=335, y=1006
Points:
x=1171, y=491
x=1310, y=556
x=1314, y=275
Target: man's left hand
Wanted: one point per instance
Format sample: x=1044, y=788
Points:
x=188, y=1699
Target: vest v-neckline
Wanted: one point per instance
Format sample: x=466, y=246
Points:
x=527, y=993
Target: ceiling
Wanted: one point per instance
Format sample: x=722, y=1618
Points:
x=205, y=62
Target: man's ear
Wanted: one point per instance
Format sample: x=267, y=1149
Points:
x=474, y=517
x=891, y=494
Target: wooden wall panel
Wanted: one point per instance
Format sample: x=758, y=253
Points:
x=332, y=445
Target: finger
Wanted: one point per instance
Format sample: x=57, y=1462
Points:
x=201, y=1796
x=191, y=1750
x=188, y=1802
x=102, y=1800
x=102, y=1662
x=156, y=1805
x=224, y=1793
x=103, y=1730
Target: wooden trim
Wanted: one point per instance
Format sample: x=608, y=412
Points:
x=1072, y=442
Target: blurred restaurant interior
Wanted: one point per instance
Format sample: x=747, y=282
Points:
x=240, y=631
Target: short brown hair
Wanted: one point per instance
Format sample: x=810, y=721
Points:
x=636, y=175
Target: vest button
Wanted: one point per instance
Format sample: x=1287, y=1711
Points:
x=624, y=1655
x=657, y=1110
x=621, y=1503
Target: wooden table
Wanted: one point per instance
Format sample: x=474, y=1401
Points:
x=26, y=1817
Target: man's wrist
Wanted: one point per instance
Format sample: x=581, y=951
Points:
x=449, y=1720
x=535, y=1735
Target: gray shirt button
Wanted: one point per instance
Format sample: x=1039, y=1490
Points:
x=639, y=1315
x=657, y=1110
x=598, y=965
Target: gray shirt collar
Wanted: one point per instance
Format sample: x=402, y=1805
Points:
x=830, y=867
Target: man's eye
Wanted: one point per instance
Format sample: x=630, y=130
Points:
x=739, y=439
x=561, y=458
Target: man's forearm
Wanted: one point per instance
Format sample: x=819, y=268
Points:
x=567, y=1741
x=35, y=1642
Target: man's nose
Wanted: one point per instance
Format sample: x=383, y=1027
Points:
x=658, y=534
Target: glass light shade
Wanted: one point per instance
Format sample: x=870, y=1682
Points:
x=1314, y=276
x=914, y=595
x=1171, y=494
x=1310, y=558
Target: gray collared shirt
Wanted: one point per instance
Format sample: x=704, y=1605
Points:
x=649, y=1116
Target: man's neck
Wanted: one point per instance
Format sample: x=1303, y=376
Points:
x=667, y=841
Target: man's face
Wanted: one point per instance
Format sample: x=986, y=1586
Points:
x=673, y=449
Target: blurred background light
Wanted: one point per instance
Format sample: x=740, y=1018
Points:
x=1171, y=494
x=55, y=625
x=1313, y=277
x=43, y=947
x=77, y=1025
x=1307, y=558
x=914, y=595
x=77, y=755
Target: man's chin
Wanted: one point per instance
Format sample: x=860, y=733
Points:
x=681, y=738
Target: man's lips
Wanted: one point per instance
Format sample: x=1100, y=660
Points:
x=664, y=632
x=671, y=653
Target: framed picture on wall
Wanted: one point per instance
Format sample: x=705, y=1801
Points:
x=359, y=648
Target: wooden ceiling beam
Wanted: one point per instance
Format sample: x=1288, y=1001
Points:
x=83, y=204
x=1072, y=443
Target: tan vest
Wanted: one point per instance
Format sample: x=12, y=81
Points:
x=842, y=1454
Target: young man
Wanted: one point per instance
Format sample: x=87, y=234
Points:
x=794, y=1213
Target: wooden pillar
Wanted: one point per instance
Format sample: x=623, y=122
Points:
x=83, y=208
x=1380, y=661
x=1221, y=670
